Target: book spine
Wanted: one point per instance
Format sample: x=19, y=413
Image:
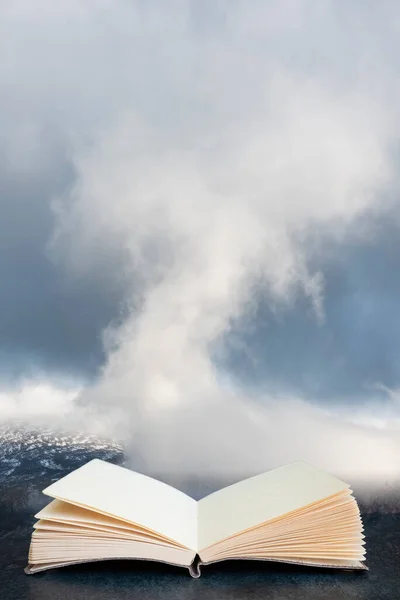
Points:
x=194, y=568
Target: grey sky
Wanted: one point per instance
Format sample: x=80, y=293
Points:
x=49, y=323
x=200, y=193
x=355, y=349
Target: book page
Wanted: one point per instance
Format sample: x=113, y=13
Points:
x=132, y=497
x=64, y=549
x=251, y=502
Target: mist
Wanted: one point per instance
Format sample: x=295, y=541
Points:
x=209, y=147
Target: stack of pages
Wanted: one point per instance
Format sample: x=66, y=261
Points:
x=293, y=514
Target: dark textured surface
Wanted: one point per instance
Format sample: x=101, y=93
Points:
x=28, y=465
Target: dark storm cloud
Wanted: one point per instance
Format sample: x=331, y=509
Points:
x=49, y=322
x=355, y=350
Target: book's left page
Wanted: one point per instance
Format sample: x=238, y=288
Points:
x=132, y=497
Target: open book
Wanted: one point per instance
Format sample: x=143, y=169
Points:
x=293, y=514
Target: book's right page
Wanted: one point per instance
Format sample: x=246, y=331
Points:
x=253, y=501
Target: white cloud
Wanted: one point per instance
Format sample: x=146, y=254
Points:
x=35, y=401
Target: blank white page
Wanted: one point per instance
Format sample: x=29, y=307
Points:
x=261, y=498
x=130, y=496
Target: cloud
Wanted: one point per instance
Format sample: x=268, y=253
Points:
x=235, y=436
x=36, y=401
x=205, y=144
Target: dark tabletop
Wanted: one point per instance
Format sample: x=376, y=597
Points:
x=25, y=470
